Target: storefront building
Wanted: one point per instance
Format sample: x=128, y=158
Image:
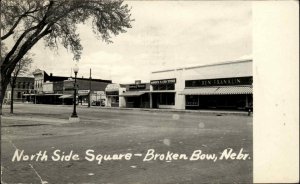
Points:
x=23, y=90
x=163, y=93
x=112, y=92
x=51, y=89
x=137, y=95
x=223, y=93
x=226, y=85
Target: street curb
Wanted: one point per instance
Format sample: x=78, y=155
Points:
x=203, y=112
x=220, y=113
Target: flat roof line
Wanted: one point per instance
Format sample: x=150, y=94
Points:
x=206, y=65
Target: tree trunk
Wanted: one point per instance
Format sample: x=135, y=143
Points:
x=4, y=83
x=1, y=99
x=12, y=99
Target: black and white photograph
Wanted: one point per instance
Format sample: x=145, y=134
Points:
x=148, y=92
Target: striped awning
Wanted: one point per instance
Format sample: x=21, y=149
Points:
x=234, y=90
x=199, y=91
x=66, y=96
x=132, y=93
x=224, y=90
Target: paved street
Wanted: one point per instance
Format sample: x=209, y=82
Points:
x=36, y=128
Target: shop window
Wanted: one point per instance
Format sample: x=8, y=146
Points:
x=170, y=86
x=192, y=100
x=155, y=87
x=163, y=87
x=130, y=100
x=167, y=99
x=115, y=99
x=19, y=95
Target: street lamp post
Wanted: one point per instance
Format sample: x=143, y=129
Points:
x=74, y=114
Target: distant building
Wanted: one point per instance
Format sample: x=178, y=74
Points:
x=112, y=92
x=51, y=89
x=84, y=84
x=23, y=87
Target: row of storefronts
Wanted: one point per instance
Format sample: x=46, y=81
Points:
x=49, y=89
x=226, y=85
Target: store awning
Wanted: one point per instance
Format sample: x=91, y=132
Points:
x=132, y=93
x=199, y=91
x=55, y=94
x=83, y=94
x=28, y=94
x=230, y=90
x=163, y=91
x=236, y=90
x=66, y=96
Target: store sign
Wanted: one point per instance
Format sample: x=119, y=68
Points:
x=110, y=93
x=83, y=91
x=220, y=82
x=99, y=92
x=137, y=86
x=164, y=81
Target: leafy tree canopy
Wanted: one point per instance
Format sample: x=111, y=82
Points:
x=27, y=21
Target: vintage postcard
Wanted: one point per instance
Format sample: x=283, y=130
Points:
x=155, y=92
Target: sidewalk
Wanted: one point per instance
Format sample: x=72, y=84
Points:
x=208, y=112
x=205, y=112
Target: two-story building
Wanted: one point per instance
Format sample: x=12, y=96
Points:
x=23, y=89
x=51, y=89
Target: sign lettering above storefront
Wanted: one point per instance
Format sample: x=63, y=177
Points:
x=99, y=92
x=219, y=82
x=112, y=93
x=137, y=86
x=164, y=81
x=83, y=91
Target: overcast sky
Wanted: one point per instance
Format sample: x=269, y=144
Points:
x=165, y=34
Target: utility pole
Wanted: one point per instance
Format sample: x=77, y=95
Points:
x=89, y=100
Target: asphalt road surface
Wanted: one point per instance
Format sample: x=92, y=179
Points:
x=123, y=146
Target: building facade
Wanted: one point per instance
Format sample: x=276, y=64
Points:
x=23, y=88
x=226, y=85
x=137, y=95
x=51, y=89
x=113, y=98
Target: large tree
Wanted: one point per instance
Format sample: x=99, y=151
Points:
x=28, y=21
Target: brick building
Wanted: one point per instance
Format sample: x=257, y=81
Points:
x=23, y=87
x=51, y=89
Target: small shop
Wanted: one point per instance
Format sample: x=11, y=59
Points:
x=112, y=92
x=137, y=95
x=163, y=93
x=222, y=93
x=83, y=97
x=67, y=99
x=98, y=98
